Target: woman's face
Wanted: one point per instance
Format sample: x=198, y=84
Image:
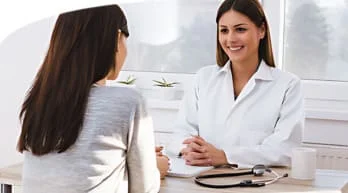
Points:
x=120, y=56
x=239, y=37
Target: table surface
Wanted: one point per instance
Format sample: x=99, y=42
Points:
x=12, y=175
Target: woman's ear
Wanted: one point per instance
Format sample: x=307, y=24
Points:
x=262, y=31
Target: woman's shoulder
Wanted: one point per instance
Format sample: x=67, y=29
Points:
x=208, y=70
x=284, y=75
x=117, y=94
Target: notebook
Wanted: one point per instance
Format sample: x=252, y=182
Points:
x=325, y=178
x=178, y=168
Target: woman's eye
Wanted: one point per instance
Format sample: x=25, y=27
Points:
x=240, y=29
x=223, y=30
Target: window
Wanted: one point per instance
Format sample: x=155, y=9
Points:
x=176, y=36
x=316, y=39
x=308, y=37
x=310, y=44
x=313, y=47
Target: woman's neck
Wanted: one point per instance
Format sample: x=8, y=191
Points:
x=101, y=82
x=244, y=69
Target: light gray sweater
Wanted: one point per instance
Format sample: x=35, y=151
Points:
x=117, y=136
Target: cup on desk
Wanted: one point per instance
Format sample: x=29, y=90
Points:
x=303, y=163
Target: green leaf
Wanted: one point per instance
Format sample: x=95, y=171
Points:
x=130, y=80
x=158, y=82
x=164, y=83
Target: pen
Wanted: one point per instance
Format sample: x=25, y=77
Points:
x=180, y=154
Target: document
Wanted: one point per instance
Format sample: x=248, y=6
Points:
x=178, y=168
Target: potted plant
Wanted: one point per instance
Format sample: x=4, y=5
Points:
x=166, y=90
x=164, y=83
x=129, y=82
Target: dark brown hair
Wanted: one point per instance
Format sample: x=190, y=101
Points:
x=253, y=10
x=82, y=51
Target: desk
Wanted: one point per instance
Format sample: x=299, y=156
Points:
x=11, y=176
x=285, y=185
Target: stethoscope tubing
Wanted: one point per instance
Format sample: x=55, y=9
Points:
x=244, y=183
x=224, y=175
x=254, y=185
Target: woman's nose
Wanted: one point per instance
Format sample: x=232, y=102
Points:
x=231, y=37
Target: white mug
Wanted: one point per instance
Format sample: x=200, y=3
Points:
x=303, y=163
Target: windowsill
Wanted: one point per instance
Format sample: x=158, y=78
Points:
x=320, y=99
x=326, y=114
x=163, y=104
x=311, y=113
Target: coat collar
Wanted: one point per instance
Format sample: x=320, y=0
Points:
x=264, y=72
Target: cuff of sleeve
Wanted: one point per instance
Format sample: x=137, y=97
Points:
x=232, y=158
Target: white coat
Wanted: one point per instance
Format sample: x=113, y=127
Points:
x=260, y=127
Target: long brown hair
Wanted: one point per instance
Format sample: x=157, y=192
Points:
x=253, y=10
x=82, y=51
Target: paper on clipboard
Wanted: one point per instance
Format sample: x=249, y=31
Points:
x=178, y=168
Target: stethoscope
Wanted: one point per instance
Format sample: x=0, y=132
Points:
x=257, y=170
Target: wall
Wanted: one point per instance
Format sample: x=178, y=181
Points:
x=19, y=63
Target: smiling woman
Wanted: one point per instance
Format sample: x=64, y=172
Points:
x=245, y=39
x=222, y=110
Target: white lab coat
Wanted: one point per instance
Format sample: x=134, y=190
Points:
x=260, y=127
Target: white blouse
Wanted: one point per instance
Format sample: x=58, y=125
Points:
x=260, y=127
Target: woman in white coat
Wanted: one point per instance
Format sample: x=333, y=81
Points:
x=243, y=110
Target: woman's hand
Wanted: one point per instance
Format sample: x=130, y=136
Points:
x=158, y=150
x=198, y=152
x=162, y=162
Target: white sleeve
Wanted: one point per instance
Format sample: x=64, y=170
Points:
x=276, y=148
x=187, y=119
x=143, y=175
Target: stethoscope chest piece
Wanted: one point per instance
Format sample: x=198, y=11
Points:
x=259, y=170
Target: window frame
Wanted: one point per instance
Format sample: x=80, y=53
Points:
x=324, y=99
